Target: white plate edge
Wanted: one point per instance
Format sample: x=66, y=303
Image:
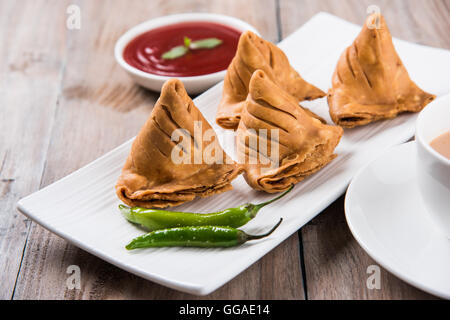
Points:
x=386, y=265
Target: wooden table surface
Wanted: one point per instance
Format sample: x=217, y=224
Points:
x=64, y=102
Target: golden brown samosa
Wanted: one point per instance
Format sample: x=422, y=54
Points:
x=305, y=144
x=370, y=81
x=255, y=53
x=154, y=175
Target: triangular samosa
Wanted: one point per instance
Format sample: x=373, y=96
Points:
x=299, y=146
x=255, y=53
x=159, y=174
x=370, y=81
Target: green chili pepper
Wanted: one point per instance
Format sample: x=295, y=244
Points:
x=153, y=219
x=203, y=236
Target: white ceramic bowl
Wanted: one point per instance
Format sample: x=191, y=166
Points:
x=433, y=169
x=195, y=84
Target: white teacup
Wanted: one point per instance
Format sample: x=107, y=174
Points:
x=433, y=169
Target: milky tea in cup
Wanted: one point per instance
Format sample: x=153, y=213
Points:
x=433, y=161
x=442, y=144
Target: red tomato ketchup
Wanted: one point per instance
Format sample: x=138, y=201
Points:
x=144, y=52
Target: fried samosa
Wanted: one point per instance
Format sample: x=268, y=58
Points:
x=370, y=81
x=300, y=146
x=255, y=53
x=154, y=175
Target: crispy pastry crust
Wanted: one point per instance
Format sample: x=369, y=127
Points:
x=305, y=144
x=255, y=53
x=150, y=178
x=370, y=81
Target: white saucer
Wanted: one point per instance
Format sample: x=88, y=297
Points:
x=385, y=213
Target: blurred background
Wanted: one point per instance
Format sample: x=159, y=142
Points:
x=64, y=102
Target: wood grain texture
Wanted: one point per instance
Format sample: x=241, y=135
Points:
x=98, y=109
x=422, y=22
x=335, y=265
x=64, y=102
x=30, y=76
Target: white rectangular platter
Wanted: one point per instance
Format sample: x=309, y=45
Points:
x=82, y=207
